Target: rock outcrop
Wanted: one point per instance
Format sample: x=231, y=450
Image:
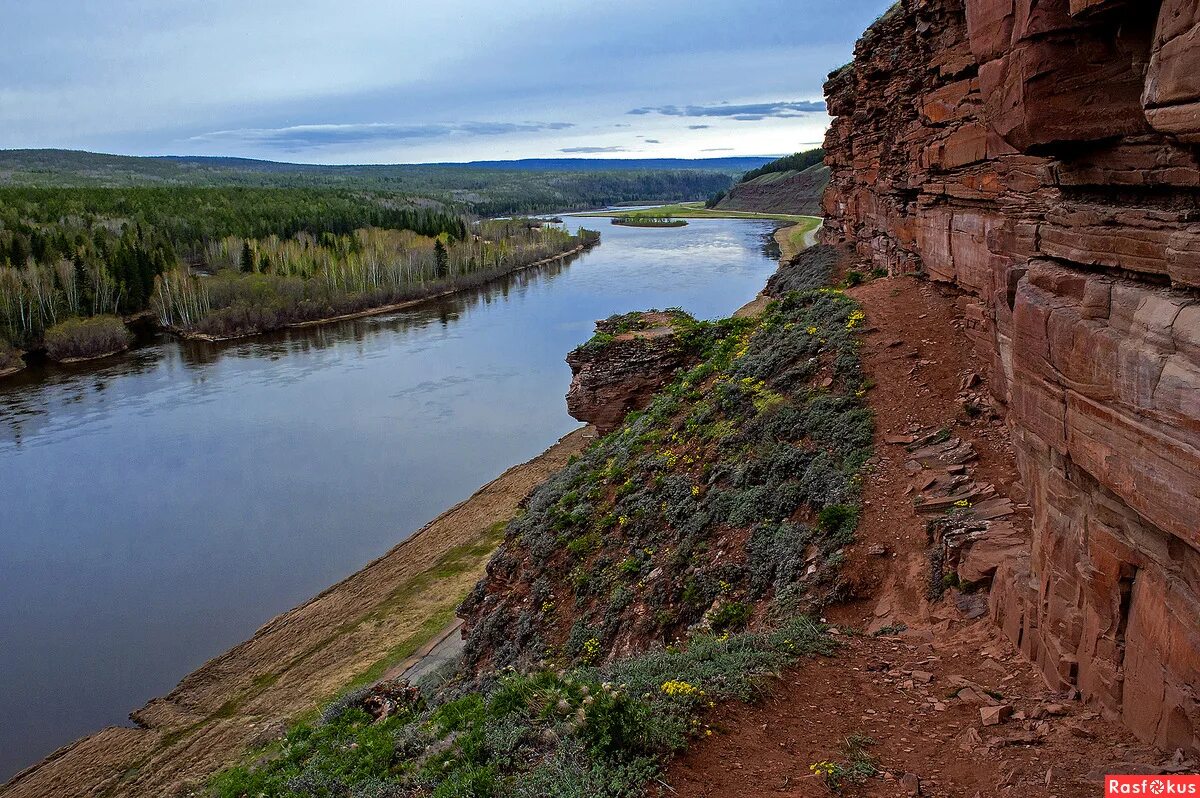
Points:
x=622, y=367
x=1041, y=155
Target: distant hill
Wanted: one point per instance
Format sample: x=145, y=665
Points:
x=796, y=162
x=791, y=184
x=488, y=188
x=733, y=166
x=76, y=168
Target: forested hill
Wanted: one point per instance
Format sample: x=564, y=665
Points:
x=73, y=167
x=792, y=184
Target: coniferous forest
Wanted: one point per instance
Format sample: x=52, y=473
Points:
x=212, y=252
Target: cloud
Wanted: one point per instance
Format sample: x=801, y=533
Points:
x=699, y=127
x=750, y=112
x=299, y=137
x=717, y=149
x=653, y=141
x=593, y=149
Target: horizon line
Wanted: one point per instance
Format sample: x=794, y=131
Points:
x=574, y=157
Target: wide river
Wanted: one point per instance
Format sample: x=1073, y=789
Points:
x=158, y=507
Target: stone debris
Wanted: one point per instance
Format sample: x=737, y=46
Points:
x=994, y=715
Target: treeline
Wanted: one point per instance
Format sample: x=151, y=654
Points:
x=524, y=193
x=640, y=220
x=191, y=215
x=68, y=253
x=266, y=284
x=797, y=162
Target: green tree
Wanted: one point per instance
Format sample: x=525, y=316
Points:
x=442, y=259
x=247, y=257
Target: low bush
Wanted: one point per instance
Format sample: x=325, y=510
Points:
x=590, y=731
x=87, y=337
x=9, y=358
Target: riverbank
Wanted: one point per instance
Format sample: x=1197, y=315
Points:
x=346, y=636
x=796, y=237
x=192, y=335
x=483, y=279
x=696, y=210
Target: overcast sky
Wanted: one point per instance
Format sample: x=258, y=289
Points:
x=377, y=81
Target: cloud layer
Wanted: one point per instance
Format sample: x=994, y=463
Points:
x=750, y=112
x=302, y=137
x=376, y=81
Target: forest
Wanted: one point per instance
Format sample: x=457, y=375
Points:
x=94, y=253
x=87, y=240
x=264, y=284
x=797, y=162
x=494, y=188
x=232, y=261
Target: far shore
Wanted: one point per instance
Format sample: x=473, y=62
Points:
x=696, y=210
x=192, y=335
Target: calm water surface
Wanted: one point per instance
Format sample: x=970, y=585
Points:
x=157, y=508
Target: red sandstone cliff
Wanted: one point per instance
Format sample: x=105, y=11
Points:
x=1042, y=156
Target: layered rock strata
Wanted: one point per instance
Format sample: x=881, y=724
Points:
x=622, y=367
x=1041, y=155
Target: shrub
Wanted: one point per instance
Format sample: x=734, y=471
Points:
x=9, y=359
x=731, y=615
x=83, y=338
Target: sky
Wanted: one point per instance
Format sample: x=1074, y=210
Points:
x=396, y=81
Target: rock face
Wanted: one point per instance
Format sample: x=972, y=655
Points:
x=622, y=367
x=1042, y=156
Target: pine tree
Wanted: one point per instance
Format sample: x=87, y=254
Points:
x=442, y=259
x=247, y=257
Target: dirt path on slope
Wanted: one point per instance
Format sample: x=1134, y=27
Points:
x=350, y=633
x=920, y=687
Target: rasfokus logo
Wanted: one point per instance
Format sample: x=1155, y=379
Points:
x=1151, y=785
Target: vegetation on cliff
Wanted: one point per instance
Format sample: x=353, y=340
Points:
x=722, y=505
x=663, y=571
x=793, y=184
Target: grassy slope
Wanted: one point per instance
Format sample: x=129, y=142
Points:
x=780, y=192
x=772, y=416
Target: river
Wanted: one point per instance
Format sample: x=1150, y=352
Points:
x=161, y=505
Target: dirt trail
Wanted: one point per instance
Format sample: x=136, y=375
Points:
x=920, y=687
x=353, y=630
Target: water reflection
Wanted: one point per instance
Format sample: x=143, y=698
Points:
x=159, y=506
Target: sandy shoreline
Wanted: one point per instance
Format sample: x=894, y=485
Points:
x=358, y=628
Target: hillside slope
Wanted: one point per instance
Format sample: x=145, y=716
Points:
x=780, y=192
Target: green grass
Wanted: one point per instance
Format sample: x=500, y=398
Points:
x=581, y=733
x=696, y=210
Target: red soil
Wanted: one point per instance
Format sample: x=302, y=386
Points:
x=900, y=690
